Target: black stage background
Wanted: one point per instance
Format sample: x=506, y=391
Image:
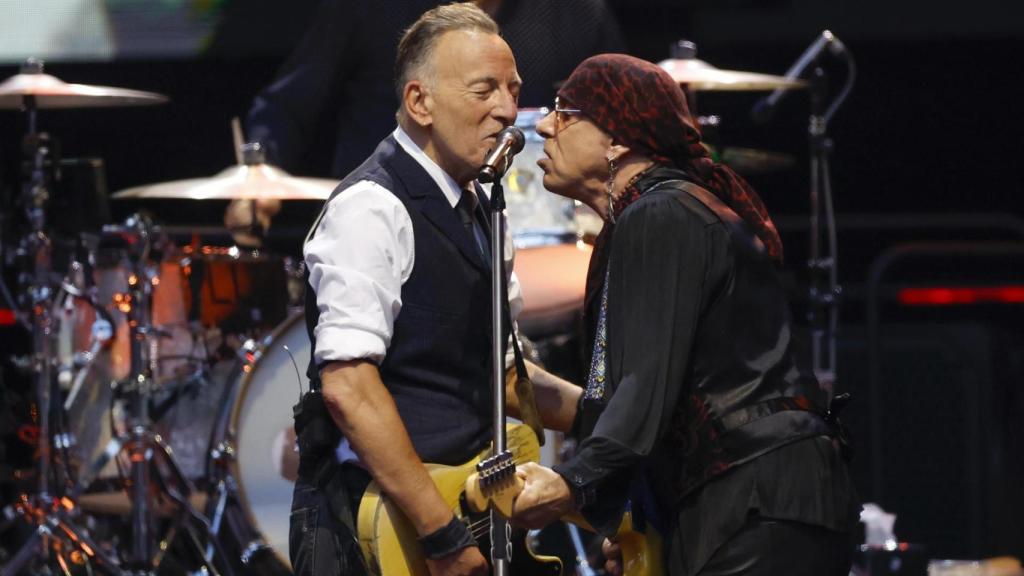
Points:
x=927, y=148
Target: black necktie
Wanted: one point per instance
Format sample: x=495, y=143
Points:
x=466, y=207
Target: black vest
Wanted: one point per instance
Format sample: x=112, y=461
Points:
x=438, y=364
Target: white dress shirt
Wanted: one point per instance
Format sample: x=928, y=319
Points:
x=360, y=256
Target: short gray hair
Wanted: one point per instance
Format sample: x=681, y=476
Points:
x=419, y=40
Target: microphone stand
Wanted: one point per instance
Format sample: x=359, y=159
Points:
x=824, y=290
x=823, y=270
x=501, y=542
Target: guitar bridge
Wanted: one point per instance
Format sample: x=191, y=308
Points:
x=496, y=469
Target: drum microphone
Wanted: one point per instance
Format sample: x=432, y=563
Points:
x=764, y=109
x=510, y=142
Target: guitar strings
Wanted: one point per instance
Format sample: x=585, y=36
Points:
x=480, y=527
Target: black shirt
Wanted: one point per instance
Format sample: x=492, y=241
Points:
x=672, y=268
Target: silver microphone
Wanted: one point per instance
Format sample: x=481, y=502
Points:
x=510, y=142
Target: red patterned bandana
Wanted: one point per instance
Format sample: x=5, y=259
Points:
x=640, y=106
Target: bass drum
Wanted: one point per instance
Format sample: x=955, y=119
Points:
x=266, y=463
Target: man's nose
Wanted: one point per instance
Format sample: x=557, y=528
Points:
x=506, y=109
x=546, y=126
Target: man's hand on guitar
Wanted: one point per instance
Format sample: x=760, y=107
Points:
x=545, y=497
x=465, y=562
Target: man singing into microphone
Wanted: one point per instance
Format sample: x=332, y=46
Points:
x=399, y=305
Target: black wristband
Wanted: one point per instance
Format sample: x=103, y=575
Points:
x=450, y=538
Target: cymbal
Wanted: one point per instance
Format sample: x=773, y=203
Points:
x=752, y=161
x=699, y=75
x=51, y=92
x=243, y=182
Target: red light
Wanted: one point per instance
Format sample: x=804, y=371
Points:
x=961, y=295
x=7, y=317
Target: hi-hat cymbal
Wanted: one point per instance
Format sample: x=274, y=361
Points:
x=244, y=182
x=51, y=92
x=699, y=75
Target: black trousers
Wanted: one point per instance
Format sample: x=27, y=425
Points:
x=768, y=547
x=322, y=536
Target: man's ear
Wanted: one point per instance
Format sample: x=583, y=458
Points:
x=616, y=152
x=418, y=103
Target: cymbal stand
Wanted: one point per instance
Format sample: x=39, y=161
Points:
x=50, y=514
x=823, y=268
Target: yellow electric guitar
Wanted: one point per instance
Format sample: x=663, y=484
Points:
x=496, y=486
x=388, y=539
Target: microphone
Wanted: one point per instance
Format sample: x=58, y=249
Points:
x=510, y=142
x=764, y=109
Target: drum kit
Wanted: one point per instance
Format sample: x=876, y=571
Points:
x=162, y=374
x=142, y=353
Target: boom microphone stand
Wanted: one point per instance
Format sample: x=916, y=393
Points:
x=822, y=263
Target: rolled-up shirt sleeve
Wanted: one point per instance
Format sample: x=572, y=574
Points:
x=358, y=258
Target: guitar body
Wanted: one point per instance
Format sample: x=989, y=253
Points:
x=389, y=541
x=496, y=487
x=641, y=552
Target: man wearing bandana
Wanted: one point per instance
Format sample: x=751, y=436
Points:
x=697, y=412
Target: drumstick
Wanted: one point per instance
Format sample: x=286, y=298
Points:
x=238, y=138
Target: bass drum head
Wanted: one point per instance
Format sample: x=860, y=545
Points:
x=266, y=463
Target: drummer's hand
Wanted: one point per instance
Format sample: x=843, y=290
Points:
x=238, y=218
x=612, y=556
x=545, y=497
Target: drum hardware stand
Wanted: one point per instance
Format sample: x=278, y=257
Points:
x=252, y=154
x=224, y=488
x=583, y=567
x=50, y=514
x=102, y=333
x=144, y=447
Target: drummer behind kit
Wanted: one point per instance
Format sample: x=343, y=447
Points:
x=165, y=373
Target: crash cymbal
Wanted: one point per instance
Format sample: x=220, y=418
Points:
x=699, y=75
x=245, y=182
x=752, y=161
x=51, y=92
